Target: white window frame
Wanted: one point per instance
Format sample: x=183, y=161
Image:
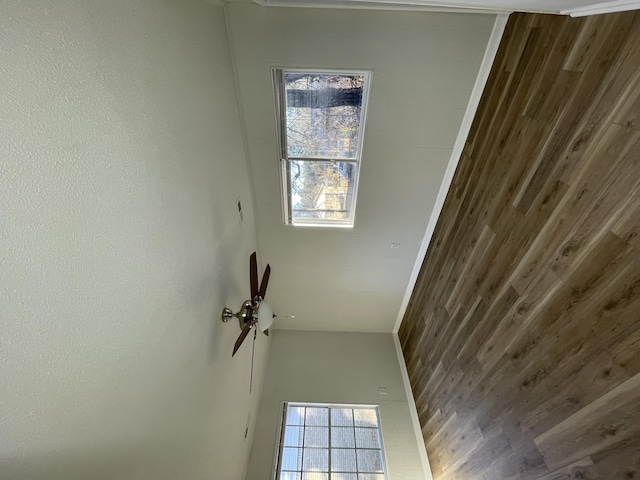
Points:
x=285, y=161
x=282, y=422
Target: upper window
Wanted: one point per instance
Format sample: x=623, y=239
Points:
x=330, y=442
x=321, y=116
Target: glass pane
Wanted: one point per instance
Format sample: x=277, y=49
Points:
x=365, y=417
x=344, y=476
x=323, y=114
x=291, y=459
x=317, y=416
x=316, y=437
x=293, y=436
x=370, y=476
x=342, y=437
x=369, y=461
x=316, y=459
x=343, y=460
x=290, y=476
x=315, y=476
x=367, y=438
x=295, y=415
x=341, y=416
x=322, y=190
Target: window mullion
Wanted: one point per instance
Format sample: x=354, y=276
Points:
x=304, y=431
x=329, y=433
x=355, y=445
x=287, y=181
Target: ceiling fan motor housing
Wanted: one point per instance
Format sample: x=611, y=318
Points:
x=245, y=314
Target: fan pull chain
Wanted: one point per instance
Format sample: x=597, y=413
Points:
x=253, y=351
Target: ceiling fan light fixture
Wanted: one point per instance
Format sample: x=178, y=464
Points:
x=265, y=316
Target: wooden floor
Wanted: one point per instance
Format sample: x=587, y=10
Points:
x=522, y=337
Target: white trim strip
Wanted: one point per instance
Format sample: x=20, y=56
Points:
x=481, y=80
x=443, y=6
x=422, y=449
x=402, y=5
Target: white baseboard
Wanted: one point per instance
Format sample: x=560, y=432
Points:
x=422, y=449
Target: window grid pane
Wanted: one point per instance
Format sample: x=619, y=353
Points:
x=343, y=460
x=367, y=438
x=345, y=476
x=365, y=417
x=323, y=114
x=342, y=417
x=342, y=437
x=322, y=190
x=369, y=461
x=330, y=443
x=315, y=476
x=290, y=476
x=293, y=436
x=315, y=460
x=292, y=458
x=316, y=437
x=317, y=416
x=295, y=415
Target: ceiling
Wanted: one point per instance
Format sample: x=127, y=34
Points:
x=424, y=66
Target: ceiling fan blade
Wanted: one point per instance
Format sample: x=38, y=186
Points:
x=265, y=282
x=253, y=275
x=243, y=335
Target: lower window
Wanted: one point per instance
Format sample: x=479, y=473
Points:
x=330, y=442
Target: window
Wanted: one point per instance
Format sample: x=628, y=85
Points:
x=321, y=118
x=330, y=442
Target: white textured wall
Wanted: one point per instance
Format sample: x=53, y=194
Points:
x=120, y=163
x=334, y=367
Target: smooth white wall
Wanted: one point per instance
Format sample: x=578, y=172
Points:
x=334, y=367
x=121, y=160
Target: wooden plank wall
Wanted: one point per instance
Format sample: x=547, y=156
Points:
x=522, y=337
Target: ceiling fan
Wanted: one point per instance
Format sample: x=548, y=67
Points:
x=254, y=313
